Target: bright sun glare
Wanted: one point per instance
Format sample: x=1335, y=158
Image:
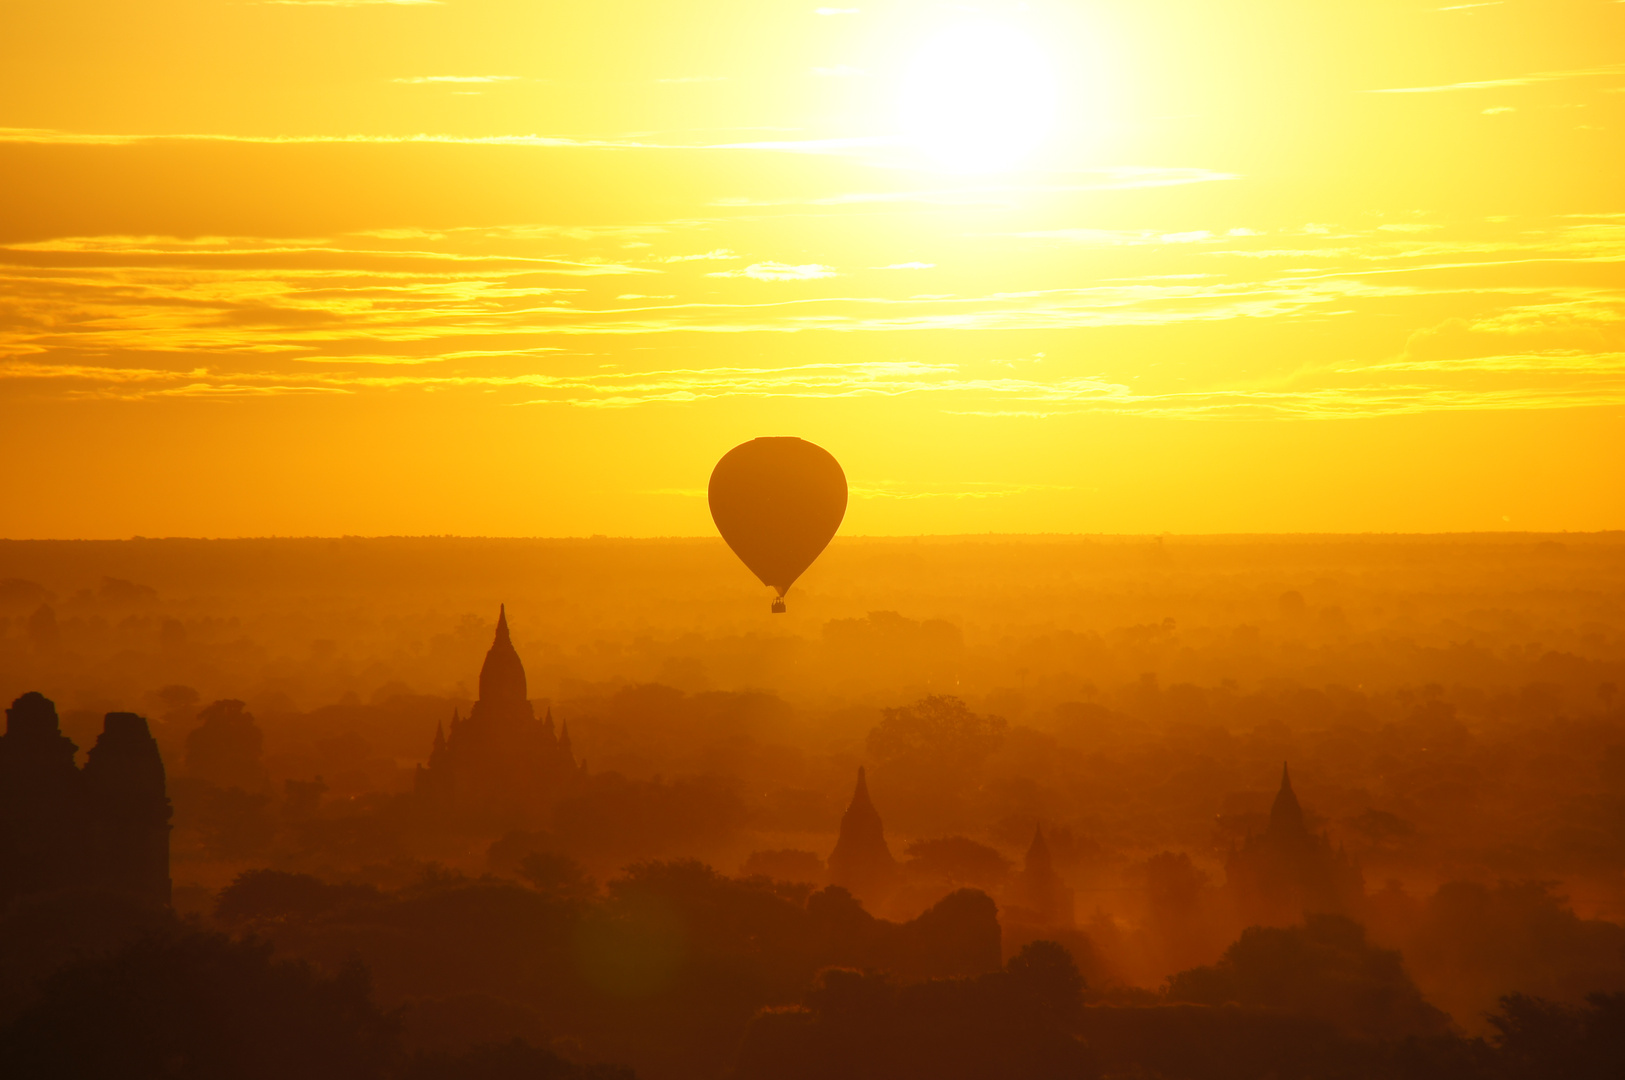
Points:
x=979, y=97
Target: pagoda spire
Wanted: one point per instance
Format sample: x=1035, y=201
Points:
x=1286, y=815
x=1039, y=889
x=1038, y=859
x=502, y=679
x=861, y=862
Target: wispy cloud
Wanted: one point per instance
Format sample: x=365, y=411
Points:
x=459, y=79
x=527, y=312
x=1528, y=363
x=777, y=271
x=238, y=390
x=1372, y=393
x=714, y=255
x=342, y=297
x=1516, y=80
x=890, y=489
x=1111, y=179
x=843, y=146
x=74, y=138
x=350, y=3
x=834, y=380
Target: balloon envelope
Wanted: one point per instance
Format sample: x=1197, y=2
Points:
x=777, y=502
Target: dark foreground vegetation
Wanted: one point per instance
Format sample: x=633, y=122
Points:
x=676, y=971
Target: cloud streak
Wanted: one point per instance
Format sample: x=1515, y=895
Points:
x=777, y=271
x=529, y=313
x=1516, y=80
x=350, y=4
x=997, y=398
x=459, y=79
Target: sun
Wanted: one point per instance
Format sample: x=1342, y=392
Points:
x=979, y=96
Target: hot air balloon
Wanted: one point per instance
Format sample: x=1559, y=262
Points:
x=777, y=502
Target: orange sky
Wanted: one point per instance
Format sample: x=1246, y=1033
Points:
x=512, y=267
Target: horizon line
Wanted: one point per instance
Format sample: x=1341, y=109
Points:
x=689, y=537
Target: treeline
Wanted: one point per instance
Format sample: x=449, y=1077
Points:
x=681, y=973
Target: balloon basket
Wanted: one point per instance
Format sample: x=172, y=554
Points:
x=778, y=607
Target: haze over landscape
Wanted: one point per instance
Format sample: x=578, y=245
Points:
x=1010, y=541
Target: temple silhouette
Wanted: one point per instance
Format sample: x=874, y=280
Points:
x=498, y=765
x=102, y=828
x=1037, y=894
x=1278, y=876
x=861, y=862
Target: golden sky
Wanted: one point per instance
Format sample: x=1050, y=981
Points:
x=512, y=267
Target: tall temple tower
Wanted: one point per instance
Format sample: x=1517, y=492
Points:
x=103, y=828
x=502, y=676
x=1037, y=891
x=1287, y=871
x=1286, y=814
x=498, y=765
x=43, y=816
x=124, y=782
x=861, y=862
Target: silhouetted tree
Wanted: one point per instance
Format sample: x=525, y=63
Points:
x=1018, y=1023
x=43, y=632
x=1324, y=968
x=1544, y=1040
x=957, y=936
x=1045, y=977
x=18, y=594
x=40, y=935
x=513, y=1060
x=277, y=896
x=785, y=865
x=226, y=748
x=557, y=875
x=199, y=1005
x=1476, y=942
x=938, y=729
